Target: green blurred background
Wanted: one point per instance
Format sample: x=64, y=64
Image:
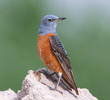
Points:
x=85, y=35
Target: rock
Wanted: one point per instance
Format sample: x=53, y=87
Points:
x=8, y=95
x=38, y=85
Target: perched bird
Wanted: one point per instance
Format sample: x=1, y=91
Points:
x=52, y=52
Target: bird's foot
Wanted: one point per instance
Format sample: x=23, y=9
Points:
x=55, y=89
x=53, y=73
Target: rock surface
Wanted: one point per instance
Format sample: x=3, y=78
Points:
x=38, y=85
x=8, y=95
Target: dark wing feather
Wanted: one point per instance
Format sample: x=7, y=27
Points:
x=63, y=59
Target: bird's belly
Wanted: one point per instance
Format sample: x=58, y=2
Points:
x=47, y=56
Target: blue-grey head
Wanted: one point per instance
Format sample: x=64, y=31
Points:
x=48, y=24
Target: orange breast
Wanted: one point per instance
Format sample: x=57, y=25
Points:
x=46, y=54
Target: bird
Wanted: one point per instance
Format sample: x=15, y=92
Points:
x=52, y=51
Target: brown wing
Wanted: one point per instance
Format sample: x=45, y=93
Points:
x=63, y=59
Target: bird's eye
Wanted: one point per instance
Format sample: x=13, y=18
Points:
x=50, y=20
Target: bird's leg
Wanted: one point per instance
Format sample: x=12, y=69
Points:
x=59, y=78
x=58, y=82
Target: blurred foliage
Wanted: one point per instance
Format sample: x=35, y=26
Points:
x=85, y=35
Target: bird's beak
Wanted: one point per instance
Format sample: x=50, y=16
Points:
x=60, y=19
